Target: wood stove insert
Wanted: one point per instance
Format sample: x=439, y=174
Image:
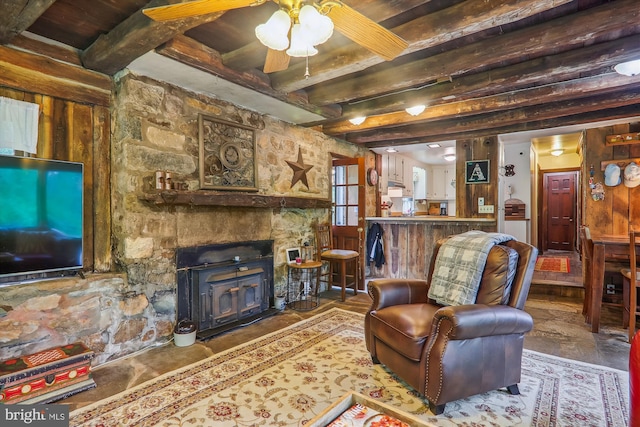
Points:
x=225, y=286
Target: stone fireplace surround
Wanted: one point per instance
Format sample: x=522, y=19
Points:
x=224, y=286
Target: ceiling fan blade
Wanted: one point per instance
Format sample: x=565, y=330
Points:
x=277, y=60
x=364, y=31
x=194, y=8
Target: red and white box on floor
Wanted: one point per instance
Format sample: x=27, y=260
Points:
x=46, y=376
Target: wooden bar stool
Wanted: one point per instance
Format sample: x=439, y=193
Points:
x=337, y=258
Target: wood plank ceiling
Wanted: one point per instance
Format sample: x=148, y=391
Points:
x=481, y=67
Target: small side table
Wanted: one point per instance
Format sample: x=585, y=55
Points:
x=303, y=285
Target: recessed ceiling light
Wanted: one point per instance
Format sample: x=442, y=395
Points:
x=415, y=110
x=433, y=145
x=629, y=68
x=356, y=121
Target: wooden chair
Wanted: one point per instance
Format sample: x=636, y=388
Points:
x=338, y=259
x=631, y=280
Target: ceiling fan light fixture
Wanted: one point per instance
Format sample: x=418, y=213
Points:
x=415, y=110
x=300, y=45
x=357, y=121
x=273, y=33
x=629, y=68
x=557, y=152
x=318, y=27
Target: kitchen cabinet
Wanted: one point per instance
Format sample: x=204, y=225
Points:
x=442, y=183
x=395, y=169
x=419, y=183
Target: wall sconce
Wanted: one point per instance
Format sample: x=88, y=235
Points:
x=356, y=121
x=415, y=110
x=557, y=152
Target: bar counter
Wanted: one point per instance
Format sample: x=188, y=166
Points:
x=409, y=242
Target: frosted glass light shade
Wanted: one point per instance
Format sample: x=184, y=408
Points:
x=415, y=110
x=300, y=45
x=629, y=68
x=556, y=152
x=449, y=157
x=356, y=121
x=318, y=27
x=273, y=33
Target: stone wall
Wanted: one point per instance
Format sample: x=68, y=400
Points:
x=154, y=127
x=100, y=310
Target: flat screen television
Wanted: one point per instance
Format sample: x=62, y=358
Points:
x=40, y=218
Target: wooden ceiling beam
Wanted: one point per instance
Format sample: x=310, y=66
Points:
x=587, y=118
x=539, y=71
x=489, y=121
x=18, y=15
x=430, y=30
x=562, y=91
x=552, y=37
x=40, y=74
x=194, y=54
x=135, y=36
x=561, y=68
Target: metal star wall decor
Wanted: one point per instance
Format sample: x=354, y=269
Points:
x=299, y=170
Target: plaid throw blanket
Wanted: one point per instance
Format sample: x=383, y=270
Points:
x=459, y=265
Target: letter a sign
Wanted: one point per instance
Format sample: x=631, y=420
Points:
x=477, y=172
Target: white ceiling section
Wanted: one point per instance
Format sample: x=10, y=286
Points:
x=167, y=70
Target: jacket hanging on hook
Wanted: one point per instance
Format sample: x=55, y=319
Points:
x=375, y=249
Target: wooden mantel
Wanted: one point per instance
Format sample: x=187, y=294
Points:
x=215, y=198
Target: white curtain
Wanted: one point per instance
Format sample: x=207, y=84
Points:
x=18, y=125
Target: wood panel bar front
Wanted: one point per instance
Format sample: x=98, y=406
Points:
x=409, y=242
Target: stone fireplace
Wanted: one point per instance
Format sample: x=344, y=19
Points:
x=224, y=286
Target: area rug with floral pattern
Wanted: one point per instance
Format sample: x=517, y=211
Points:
x=288, y=377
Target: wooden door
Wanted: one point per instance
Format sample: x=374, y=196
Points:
x=348, y=197
x=560, y=204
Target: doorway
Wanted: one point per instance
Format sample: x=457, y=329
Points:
x=558, y=225
x=348, y=198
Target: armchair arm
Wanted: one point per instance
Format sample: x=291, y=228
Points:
x=388, y=292
x=480, y=320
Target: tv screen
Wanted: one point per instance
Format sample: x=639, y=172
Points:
x=40, y=218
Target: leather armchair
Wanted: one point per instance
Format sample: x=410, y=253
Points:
x=447, y=353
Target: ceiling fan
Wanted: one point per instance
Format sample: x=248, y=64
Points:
x=349, y=22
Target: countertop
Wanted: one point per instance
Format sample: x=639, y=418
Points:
x=427, y=218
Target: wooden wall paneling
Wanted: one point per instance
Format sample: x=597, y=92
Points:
x=597, y=214
x=45, y=127
x=60, y=130
x=485, y=148
x=619, y=194
x=416, y=244
x=634, y=193
x=102, y=189
x=12, y=93
x=396, y=261
x=80, y=146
